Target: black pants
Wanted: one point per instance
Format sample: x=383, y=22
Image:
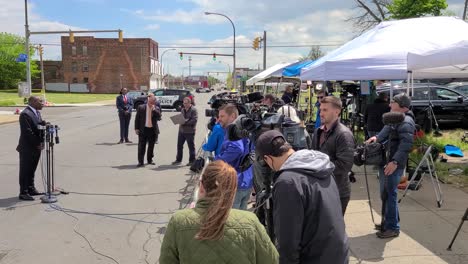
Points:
x=344, y=203
x=124, y=124
x=28, y=164
x=180, y=146
x=147, y=135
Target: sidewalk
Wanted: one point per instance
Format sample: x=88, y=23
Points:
x=426, y=230
x=8, y=116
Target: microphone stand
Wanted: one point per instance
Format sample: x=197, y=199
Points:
x=49, y=197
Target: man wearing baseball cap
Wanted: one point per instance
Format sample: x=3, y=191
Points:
x=307, y=217
x=398, y=138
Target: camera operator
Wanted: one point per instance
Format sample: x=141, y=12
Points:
x=29, y=147
x=124, y=105
x=234, y=153
x=399, y=138
x=374, y=113
x=336, y=140
x=288, y=95
x=307, y=216
x=271, y=102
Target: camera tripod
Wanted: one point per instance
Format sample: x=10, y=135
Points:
x=426, y=166
x=464, y=218
x=431, y=117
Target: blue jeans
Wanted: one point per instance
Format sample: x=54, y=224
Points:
x=242, y=199
x=390, y=183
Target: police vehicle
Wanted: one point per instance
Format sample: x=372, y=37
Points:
x=167, y=98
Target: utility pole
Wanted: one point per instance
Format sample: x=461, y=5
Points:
x=42, y=72
x=190, y=66
x=264, y=49
x=28, y=59
x=464, y=10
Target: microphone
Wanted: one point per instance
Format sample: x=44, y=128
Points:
x=393, y=118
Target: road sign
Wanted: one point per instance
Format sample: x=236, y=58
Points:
x=22, y=57
x=23, y=90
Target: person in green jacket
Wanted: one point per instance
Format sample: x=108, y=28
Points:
x=212, y=232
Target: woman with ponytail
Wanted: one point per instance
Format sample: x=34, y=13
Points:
x=212, y=232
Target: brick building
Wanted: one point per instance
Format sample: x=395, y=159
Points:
x=105, y=65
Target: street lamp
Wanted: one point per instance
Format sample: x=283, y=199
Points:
x=161, y=65
x=234, y=47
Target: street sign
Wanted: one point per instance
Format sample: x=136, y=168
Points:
x=22, y=57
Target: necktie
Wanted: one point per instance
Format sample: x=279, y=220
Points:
x=39, y=116
x=125, y=99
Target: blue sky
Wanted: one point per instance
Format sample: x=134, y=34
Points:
x=182, y=23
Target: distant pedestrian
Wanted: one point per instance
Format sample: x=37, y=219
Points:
x=124, y=105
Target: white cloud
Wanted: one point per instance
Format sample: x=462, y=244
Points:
x=153, y=27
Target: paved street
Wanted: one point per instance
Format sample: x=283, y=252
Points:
x=89, y=161
x=116, y=213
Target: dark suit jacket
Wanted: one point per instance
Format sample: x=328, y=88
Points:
x=30, y=137
x=140, y=118
x=121, y=106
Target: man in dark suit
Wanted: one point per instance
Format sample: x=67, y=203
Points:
x=147, y=129
x=29, y=147
x=124, y=105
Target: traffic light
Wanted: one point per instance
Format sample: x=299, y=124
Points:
x=256, y=43
x=181, y=55
x=120, y=36
x=72, y=37
x=214, y=56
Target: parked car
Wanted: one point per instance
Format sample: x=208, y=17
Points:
x=461, y=87
x=168, y=98
x=135, y=94
x=202, y=90
x=449, y=106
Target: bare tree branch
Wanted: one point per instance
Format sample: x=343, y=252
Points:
x=369, y=11
x=377, y=4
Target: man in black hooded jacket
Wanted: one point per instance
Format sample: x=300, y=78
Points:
x=307, y=217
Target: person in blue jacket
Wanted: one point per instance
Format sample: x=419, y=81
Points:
x=320, y=95
x=215, y=140
x=233, y=153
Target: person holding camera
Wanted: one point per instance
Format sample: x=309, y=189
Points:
x=337, y=141
x=124, y=105
x=212, y=232
x=235, y=153
x=29, y=147
x=147, y=129
x=187, y=132
x=307, y=218
x=399, y=141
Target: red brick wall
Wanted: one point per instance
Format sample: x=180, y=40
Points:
x=107, y=59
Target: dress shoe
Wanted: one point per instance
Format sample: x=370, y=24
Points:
x=34, y=192
x=176, y=162
x=151, y=163
x=120, y=142
x=140, y=165
x=25, y=197
x=128, y=141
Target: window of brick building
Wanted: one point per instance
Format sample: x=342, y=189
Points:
x=75, y=80
x=85, y=50
x=85, y=67
x=74, y=67
x=73, y=50
x=85, y=79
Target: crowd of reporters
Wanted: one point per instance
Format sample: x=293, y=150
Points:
x=310, y=189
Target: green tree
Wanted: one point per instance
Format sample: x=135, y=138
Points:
x=212, y=81
x=12, y=72
x=401, y=9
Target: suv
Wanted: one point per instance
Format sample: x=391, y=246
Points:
x=167, y=98
x=449, y=106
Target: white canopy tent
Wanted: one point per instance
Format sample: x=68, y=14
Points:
x=381, y=53
x=448, y=62
x=272, y=71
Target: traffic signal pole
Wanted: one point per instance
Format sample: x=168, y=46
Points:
x=264, y=50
